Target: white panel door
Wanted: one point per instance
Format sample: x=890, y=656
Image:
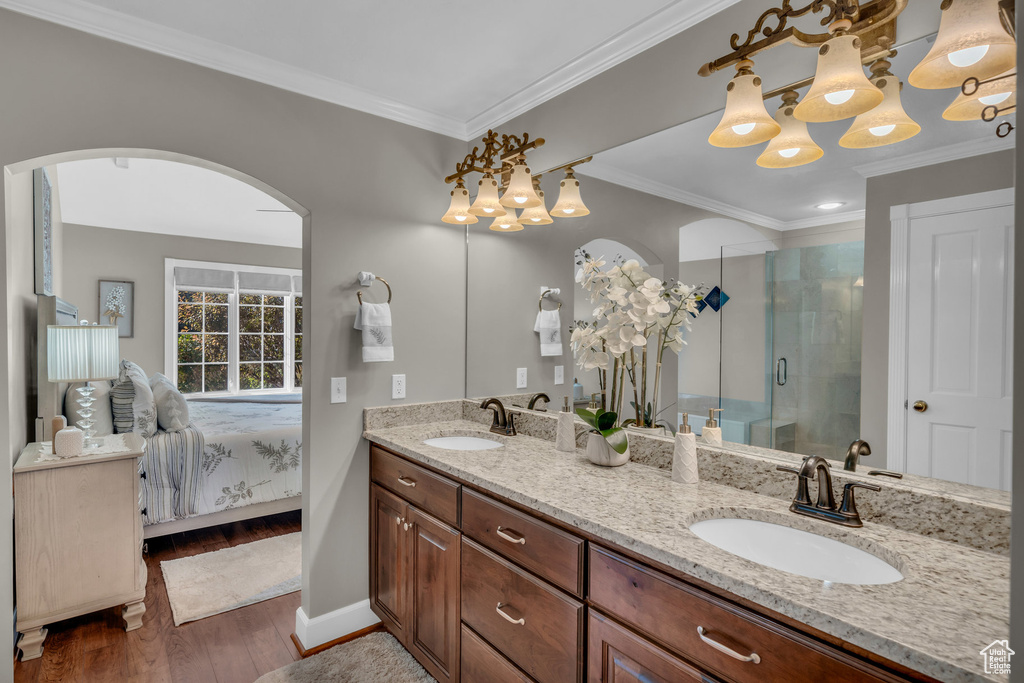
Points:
x=959, y=346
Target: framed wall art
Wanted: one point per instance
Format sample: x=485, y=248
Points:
x=117, y=306
x=43, y=221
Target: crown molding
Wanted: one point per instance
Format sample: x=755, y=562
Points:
x=169, y=42
x=653, y=187
x=644, y=34
x=959, y=150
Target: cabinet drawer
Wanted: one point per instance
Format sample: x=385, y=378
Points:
x=531, y=623
x=546, y=551
x=618, y=655
x=423, y=488
x=672, y=612
x=481, y=663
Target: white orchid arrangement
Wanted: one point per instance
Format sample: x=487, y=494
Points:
x=115, y=304
x=638, y=317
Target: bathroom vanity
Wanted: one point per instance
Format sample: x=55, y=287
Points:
x=522, y=563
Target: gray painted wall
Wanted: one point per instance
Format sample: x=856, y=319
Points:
x=106, y=254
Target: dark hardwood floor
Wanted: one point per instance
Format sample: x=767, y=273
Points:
x=234, y=647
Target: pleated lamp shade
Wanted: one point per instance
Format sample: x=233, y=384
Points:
x=1000, y=94
x=487, y=204
x=506, y=223
x=81, y=353
x=971, y=42
x=793, y=146
x=520, y=193
x=745, y=121
x=841, y=89
x=886, y=124
x=538, y=215
x=458, y=211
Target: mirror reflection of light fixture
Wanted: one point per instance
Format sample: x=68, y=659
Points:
x=745, y=121
x=458, y=211
x=487, y=203
x=793, y=146
x=971, y=42
x=998, y=95
x=840, y=89
x=507, y=223
x=887, y=123
x=570, y=203
x=537, y=215
x=520, y=193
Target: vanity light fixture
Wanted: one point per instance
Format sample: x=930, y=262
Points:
x=458, y=210
x=840, y=89
x=507, y=223
x=984, y=100
x=745, y=120
x=537, y=215
x=487, y=203
x=520, y=193
x=887, y=123
x=793, y=146
x=828, y=206
x=570, y=203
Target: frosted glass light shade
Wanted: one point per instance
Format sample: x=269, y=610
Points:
x=1001, y=93
x=971, y=42
x=840, y=89
x=487, y=204
x=885, y=124
x=570, y=203
x=507, y=223
x=458, y=211
x=81, y=353
x=537, y=215
x=793, y=146
x=745, y=121
x=520, y=193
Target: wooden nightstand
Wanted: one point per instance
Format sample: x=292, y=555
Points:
x=78, y=539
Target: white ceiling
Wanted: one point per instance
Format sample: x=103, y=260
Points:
x=420, y=62
x=170, y=198
x=680, y=164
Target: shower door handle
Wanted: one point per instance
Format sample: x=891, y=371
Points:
x=781, y=371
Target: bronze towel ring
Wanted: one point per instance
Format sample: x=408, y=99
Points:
x=540, y=303
x=359, y=295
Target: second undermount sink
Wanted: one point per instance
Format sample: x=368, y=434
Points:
x=463, y=443
x=797, y=552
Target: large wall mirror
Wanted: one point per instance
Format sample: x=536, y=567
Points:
x=864, y=296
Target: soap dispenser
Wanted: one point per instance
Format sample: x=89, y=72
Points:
x=684, y=455
x=712, y=433
x=565, y=434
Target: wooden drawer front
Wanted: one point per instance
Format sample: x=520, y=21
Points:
x=671, y=612
x=481, y=663
x=546, y=551
x=542, y=630
x=618, y=655
x=421, y=487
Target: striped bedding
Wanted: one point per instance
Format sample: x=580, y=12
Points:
x=231, y=455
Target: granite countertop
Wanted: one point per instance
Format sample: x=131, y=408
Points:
x=952, y=602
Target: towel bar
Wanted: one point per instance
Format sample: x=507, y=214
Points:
x=359, y=295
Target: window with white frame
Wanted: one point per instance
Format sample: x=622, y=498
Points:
x=233, y=329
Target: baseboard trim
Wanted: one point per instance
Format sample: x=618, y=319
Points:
x=338, y=641
x=333, y=626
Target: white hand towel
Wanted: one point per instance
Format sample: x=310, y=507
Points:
x=549, y=325
x=375, y=322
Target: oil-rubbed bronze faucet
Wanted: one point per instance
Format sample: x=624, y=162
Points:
x=857, y=448
x=825, y=508
x=539, y=397
x=504, y=420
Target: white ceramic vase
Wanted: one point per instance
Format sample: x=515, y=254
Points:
x=600, y=452
x=648, y=431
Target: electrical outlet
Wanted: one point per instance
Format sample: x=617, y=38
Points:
x=559, y=375
x=397, y=386
x=339, y=390
x=520, y=378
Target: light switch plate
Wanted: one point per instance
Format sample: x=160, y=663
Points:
x=339, y=390
x=397, y=386
x=559, y=375
x=520, y=378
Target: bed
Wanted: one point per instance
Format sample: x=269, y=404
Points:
x=235, y=460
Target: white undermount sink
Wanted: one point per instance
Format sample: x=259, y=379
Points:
x=463, y=443
x=797, y=552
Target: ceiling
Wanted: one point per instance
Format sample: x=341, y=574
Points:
x=422, y=63
x=680, y=164
x=171, y=198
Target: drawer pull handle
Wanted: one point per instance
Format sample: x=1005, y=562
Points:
x=511, y=539
x=752, y=657
x=405, y=481
x=506, y=617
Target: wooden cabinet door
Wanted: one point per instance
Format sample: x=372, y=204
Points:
x=618, y=655
x=435, y=556
x=390, y=579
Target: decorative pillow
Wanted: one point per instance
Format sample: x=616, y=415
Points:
x=103, y=421
x=131, y=401
x=171, y=406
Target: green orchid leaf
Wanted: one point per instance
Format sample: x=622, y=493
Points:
x=606, y=420
x=587, y=417
x=616, y=438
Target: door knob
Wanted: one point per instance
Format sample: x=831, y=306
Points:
x=920, y=406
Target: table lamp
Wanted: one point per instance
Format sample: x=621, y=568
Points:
x=82, y=353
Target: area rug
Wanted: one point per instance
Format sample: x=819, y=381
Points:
x=210, y=583
x=373, y=657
